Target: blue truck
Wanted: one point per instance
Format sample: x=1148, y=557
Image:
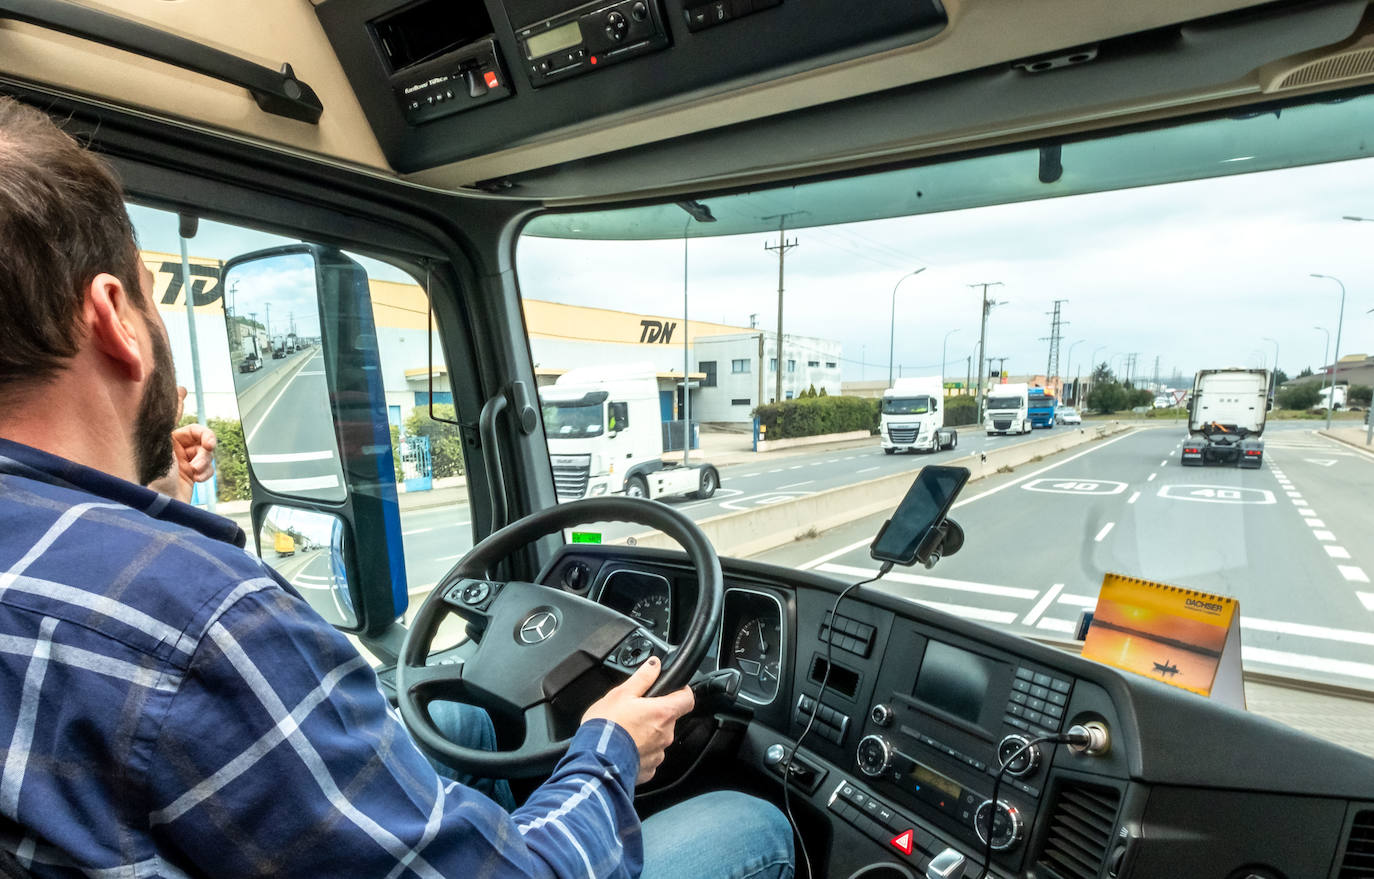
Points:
x=1042, y=407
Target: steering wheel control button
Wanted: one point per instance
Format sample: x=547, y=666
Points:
x=638, y=649
x=538, y=627
x=475, y=593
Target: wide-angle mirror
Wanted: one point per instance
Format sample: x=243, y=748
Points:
x=272, y=319
x=307, y=547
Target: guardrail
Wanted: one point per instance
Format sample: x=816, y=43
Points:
x=750, y=532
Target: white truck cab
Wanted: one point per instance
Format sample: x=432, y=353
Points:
x=912, y=416
x=1007, y=409
x=605, y=436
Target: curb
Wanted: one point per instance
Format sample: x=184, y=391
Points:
x=1359, y=447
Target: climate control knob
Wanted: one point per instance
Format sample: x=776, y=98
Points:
x=881, y=714
x=999, y=821
x=874, y=756
x=1023, y=759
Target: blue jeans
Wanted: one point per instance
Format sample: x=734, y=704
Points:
x=720, y=835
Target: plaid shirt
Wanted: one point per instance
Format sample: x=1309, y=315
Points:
x=169, y=706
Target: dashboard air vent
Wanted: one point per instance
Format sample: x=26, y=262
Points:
x=1358, y=862
x=1081, y=820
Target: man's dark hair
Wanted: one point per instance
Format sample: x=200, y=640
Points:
x=62, y=222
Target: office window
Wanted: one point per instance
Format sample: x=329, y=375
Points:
x=740, y=401
x=787, y=396
x=829, y=364
x=791, y=366
x=738, y=366
x=813, y=363
x=772, y=364
x=709, y=368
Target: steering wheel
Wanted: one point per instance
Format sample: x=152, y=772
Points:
x=532, y=644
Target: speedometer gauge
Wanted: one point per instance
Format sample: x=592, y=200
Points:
x=645, y=597
x=654, y=612
x=753, y=641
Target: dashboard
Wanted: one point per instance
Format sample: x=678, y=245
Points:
x=920, y=710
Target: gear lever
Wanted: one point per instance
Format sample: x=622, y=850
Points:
x=948, y=864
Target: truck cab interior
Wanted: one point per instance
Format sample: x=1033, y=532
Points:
x=442, y=142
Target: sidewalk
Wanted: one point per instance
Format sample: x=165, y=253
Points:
x=1351, y=436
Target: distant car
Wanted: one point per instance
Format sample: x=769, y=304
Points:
x=1140, y=409
x=1069, y=415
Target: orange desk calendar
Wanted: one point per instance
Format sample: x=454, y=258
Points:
x=1182, y=637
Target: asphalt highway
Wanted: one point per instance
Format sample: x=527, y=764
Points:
x=1289, y=541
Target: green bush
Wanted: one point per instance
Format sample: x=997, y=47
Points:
x=960, y=410
x=445, y=441
x=1359, y=395
x=396, y=454
x=816, y=416
x=1108, y=397
x=1303, y=396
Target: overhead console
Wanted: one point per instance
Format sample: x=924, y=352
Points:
x=442, y=81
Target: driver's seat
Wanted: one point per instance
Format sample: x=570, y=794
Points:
x=10, y=869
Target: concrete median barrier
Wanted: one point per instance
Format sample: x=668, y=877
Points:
x=750, y=532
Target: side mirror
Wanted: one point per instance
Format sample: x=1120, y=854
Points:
x=315, y=421
x=309, y=550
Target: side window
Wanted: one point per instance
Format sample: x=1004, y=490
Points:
x=266, y=341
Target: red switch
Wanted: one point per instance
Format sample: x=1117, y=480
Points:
x=902, y=842
x=491, y=80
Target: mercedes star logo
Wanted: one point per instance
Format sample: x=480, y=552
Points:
x=538, y=627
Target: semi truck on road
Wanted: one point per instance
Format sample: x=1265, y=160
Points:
x=1008, y=409
x=1042, y=407
x=912, y=417
x=1226, y=418
x=606, y=436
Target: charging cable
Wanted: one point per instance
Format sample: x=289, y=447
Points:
x=829, y=620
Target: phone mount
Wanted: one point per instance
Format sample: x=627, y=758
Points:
x=941, y=540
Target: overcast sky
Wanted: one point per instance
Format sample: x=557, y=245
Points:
x=1197, y=273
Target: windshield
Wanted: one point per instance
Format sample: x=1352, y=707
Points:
x=1042, y=402
x=906, y=405
x=1157, y=253
x=572, y=418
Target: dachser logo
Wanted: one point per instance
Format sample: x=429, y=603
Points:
x=1204, y=606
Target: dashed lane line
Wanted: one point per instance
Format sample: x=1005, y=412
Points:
x=1135, y=497
x=1337, y=552
x=1151, y=477
x=1315, y=523
x=794, y=484
x=1050, y=624
x=866, y=470
x=1353, y=574
x=1367, y=599
x=1323, y=535
x=1106, y=529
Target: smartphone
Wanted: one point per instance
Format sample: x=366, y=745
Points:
x=901, y=539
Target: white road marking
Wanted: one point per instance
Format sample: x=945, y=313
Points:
x=303, y=483
x=747, y=475
x=1134, y=497
x=1055, y=625
x=1321, y=462
x=1079, y=600
x=1294, y=494
x=982, y=614
x=795, y=484
x=866, y=470
x=1042, y=605
x=817, y=463
x=936, y=582
x=836, y=553
x=1152, y=477
x=1103, y=533
x=1045, y=469
x=418, y=531
x=1367, y=599
x=795, y=467
x=1217, y=494
x=1075, y=485
x=1164, y=463
x=315, y=372
x=779, y=470
x=449, y=558
x=292, y=457
x=1337, y=552
x=1306, y=511
x=1323, y=535
x=832, y=460
x=268, y=411
x=1325, y=633
x=1311, y=663
x=1353, y=574
x=1315, y=523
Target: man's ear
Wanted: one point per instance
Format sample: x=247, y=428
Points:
x=115, y=326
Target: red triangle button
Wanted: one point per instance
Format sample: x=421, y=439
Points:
x=902, y=842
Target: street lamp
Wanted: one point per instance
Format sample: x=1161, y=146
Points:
x=1274, y=375
x=1340, y=321
x=943, y=346
x=1068, y=369
x=1326, y=352
x=892, y=330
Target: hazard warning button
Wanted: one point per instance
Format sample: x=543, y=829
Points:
x=902, y=842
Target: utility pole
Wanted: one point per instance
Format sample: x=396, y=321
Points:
x=968, y=372
x=1052, y=366
x=781, y=247
x=1156, y=374
x=1001, y=368
x=982, y=345
x=187, y=228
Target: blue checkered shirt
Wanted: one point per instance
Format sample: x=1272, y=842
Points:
x=169, y=706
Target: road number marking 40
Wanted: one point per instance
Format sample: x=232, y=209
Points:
x=1217, y=494
x=1071, y=485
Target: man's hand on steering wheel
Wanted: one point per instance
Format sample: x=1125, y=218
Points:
x=649, y=721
